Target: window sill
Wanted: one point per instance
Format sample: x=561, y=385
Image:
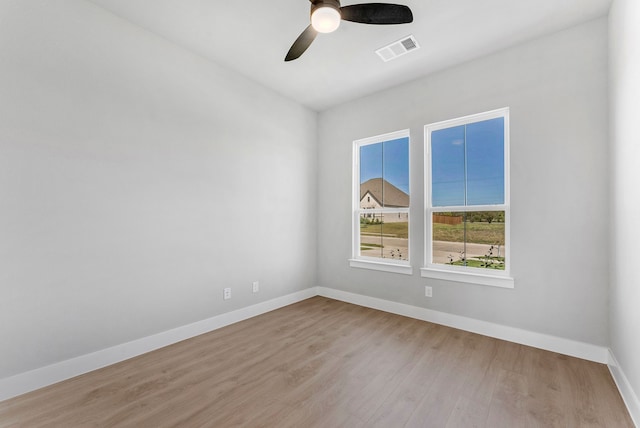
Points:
x=471, y=278
x=381, y=266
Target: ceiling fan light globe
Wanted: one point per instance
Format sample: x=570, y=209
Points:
x=325, y=19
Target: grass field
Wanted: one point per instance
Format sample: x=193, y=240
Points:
x=396, y=230
x=498, y=263
x=478, y=232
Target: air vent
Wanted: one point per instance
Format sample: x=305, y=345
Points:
x=399, y=48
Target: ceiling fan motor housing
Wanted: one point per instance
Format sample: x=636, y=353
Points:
x=334, y=4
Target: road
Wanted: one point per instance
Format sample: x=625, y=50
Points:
x=441, y=249
x=392, y=247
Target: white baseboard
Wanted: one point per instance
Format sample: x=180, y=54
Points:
x=626, y=391
x=29, y=381
x=586, y=351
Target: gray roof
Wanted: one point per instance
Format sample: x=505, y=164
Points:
x=379, y=188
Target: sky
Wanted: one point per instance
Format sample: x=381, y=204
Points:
x=388, y=160
x=467, y=164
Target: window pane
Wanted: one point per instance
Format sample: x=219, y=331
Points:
x=370, y=235
x=371, y=176
x=395, y=171
x=447, y=167
x=384, y=235
x=485, y=239
x=473, y=239
x=485, y=162
x=448, y=238
x=395, y=236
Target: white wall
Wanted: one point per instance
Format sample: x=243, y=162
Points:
x=128, y=175
x=556, y=88
x=625, y=173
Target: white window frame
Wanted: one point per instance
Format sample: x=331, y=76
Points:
x=374, y=263
x=498, y=278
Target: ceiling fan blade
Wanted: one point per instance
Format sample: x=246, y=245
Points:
x=377, y=13
x=301, y=44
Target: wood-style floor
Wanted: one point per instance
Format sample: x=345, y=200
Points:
x=324, y=363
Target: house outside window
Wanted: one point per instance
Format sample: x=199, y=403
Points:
x=467, y=212
x=381, y=203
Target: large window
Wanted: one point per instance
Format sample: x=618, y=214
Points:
x=381, y=203
x=467, y=199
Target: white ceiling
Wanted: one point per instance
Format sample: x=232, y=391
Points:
x=253, y=36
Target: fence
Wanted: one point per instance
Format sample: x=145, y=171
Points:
x=447, y=219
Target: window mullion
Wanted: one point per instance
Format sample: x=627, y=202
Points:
x=382, y=170
x=464, y=237
x=465, y=164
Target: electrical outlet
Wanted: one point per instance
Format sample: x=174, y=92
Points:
x=428, y=291
x=256, y=286
x=227, y=294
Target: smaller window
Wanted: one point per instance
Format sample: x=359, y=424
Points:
x=381, y=203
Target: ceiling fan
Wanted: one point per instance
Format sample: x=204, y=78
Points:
x=326, y=16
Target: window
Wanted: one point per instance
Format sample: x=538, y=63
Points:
x=381, y=203
x=467, y=199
